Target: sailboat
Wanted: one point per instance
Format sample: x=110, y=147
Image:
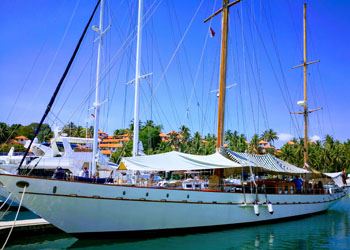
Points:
x=79, y=207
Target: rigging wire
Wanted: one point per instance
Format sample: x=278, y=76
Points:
x=285, y=96
x=30, y=73
x=58, y=13
x=257, y=79
x=245, y=70
x=200, y=64
x=178, y=46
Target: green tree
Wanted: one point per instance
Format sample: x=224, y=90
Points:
x=269, y=135
x=149, y=136
x=125, y=151
x=4, y=132
x=253, y=146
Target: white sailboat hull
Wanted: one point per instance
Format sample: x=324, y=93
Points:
x=110, y=208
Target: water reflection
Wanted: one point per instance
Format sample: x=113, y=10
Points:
x=330, y=230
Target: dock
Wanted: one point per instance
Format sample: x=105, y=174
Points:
x=30, y=226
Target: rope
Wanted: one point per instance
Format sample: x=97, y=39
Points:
x=14, y=222
x=7, y=209
x=3, y=204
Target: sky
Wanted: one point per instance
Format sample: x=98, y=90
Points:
x=265, y=42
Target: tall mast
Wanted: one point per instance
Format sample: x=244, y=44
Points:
x=222, y=80
x=100, y=32
x=304, y=103
x=135, y=149
x=223, y=68
x=306, y=112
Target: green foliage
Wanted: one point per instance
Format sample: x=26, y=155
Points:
x=10, y=132
x=269, y=135
x=235, y=141
x=253, y=146
x=7, y=147
x=121, y=132
x=126, y=151
x=149, y=136
x=78, y=131
x=4, y=132
x=327, y=156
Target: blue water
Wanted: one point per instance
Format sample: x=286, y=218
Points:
x=326, y=231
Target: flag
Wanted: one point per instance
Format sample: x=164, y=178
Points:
x=212, y=32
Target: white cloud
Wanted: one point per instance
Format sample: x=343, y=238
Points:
x=284, y=137
x=315, y=138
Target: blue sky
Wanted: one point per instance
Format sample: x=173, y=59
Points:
x=265, y=41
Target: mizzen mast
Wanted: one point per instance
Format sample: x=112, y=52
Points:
x=304, y=103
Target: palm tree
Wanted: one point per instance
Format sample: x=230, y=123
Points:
x=253, y=146
x=185, y=134
x=196, y=146
x=269, y=135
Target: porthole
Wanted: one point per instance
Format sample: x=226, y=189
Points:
x=188, y=196
x=22, y=184
x=167, y=195
x=124, y=193
x=147, y=194
x=54, y=189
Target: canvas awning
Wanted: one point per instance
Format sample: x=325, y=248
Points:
x=175, y=161
x=266, y=161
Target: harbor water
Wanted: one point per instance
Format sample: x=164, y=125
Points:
x=330, y=230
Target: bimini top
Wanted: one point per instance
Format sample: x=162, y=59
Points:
x=173, y=161
x=267, y=162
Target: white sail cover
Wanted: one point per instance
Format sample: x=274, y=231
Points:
x=337, y=178
x=267, y=162
x=175, y=161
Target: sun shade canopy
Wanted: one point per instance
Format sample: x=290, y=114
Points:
x=173, y=161
x=177, y=161
x=267, y=162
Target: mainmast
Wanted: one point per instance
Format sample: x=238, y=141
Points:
x=97, y=103
x=135, y=149
x=304, y=103
x=223, y=70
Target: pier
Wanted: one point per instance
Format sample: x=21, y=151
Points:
x=30, y=226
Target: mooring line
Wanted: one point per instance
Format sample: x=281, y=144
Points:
x=14, y=222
